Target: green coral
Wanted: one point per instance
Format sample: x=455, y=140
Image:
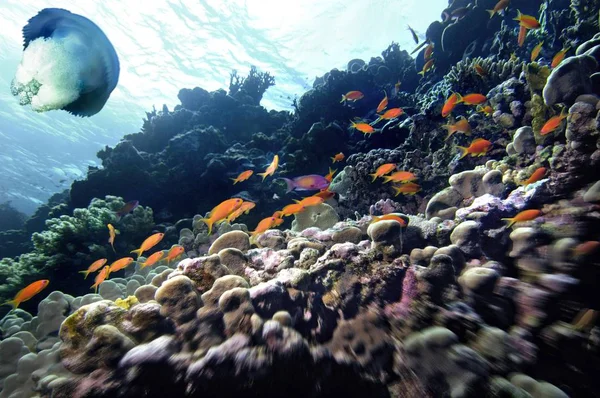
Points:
x=536, y=76
x=71, y=243
x=539, y=113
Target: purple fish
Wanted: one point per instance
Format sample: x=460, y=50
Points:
x=311, y=182
x=129, y=207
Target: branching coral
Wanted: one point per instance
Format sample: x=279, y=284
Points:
x=254, y=85
x=70, y=243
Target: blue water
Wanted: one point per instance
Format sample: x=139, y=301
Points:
x=168, y=45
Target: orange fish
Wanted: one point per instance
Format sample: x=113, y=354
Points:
x=500, y=6
x=428, y=65
x=450, y=104
x=390, y=114
x=120, y=264
x=536, y=51
x=174, y=252
x=526, y=215
x=409, y=188
x=474, y=99
x=153, y=259
x=149, y=243
x=559, y=57
x=522, y=35
x=325, y=194
x=554, y=122
x=586, y=248
x=277, y=222
x=527, y=21
x=479, y=147
x=537, y=175
x=383, y=170
x=480, y=71
x=352, y=96
x=243, y=209
x=28, y=292
x=263, y=225
x=364, y=128
x=486, y=110
x=400, y=176
x=329, y=175
x=271, y=169
x=96, y=265
x=221, y=211
x=112, y=233
x=383, y=104
x=310, y=201
x=277, y=214
x=461, y=126
x=390, y=216
x=244, y=175
x=338, y=157
x=101, y=277
x=428, y=52
x=292, y=209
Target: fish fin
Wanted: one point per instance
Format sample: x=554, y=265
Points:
x=117, y=232
x=511, y=221
x=85, y=273
x=137, y=251
x=463, y=151
x=208, y=223
x=518, y=18
x=289, y=184
x=12, y=303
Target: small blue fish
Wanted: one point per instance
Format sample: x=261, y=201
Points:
x=68, y=63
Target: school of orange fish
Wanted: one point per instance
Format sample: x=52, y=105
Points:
x=230, y=209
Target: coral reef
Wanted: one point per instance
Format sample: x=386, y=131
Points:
x=70, y=243
x=481, y=284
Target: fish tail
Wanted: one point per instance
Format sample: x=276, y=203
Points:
x=459, y=98
x=374, y=177
x=12, y=303
x=518, y=18
x=209, y=224
x=85, y=273
x=511, y=221
x=264, y=175
x=422, y=73
x=138, y=252
x=235, y=181
x=491, y=12
x=463, y=151
x=113, y=247
x=387, y=179
x=289, y=184
x=343, y=99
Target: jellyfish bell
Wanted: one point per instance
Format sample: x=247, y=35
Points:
x=68, y=63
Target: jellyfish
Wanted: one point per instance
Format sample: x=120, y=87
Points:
x=68, y=63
